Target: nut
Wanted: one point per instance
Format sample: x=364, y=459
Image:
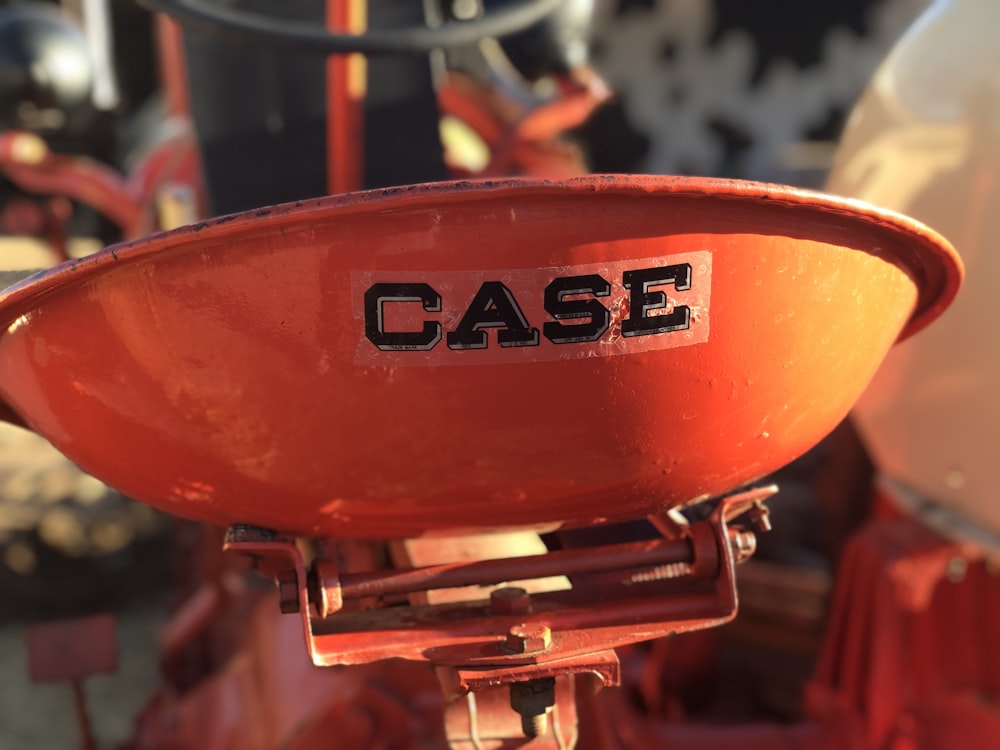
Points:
x=288, y=593
x=324, y=587
x=743, y=543
x=533, y=700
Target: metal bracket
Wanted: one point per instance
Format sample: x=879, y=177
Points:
x=558, y=625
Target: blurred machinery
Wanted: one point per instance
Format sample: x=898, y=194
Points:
x=925, y=140
x=57, y=143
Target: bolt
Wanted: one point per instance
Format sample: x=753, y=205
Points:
x=529, y=638
x=661, y=572
x=760, y=517
x=535, y=726
x=533, y=700
x=288, y=592
x=744, y=544
x=510, y=600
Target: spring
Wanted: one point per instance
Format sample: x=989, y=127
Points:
x=661, y=572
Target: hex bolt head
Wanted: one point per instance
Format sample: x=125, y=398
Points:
x=510, y=600
x=528, y=638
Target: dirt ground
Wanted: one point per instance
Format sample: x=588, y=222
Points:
x=42, y=717
x=68, y=547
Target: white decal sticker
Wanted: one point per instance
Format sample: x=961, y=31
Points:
x=531, y=314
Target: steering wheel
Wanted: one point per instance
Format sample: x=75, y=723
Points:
x=302, y=37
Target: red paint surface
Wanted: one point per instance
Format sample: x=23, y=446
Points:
x=211, y=372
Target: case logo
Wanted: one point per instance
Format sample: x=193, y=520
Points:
x=478, y=317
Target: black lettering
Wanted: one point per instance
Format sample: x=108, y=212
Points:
x=493, y=307
x=560, y=308
x=643, y=301
x=375, y=299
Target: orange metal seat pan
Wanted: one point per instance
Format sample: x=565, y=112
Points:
x=468, y=356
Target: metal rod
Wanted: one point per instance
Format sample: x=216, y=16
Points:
x=87, y=741
x=346, y=84
x=98, y=32
x=485, y=572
